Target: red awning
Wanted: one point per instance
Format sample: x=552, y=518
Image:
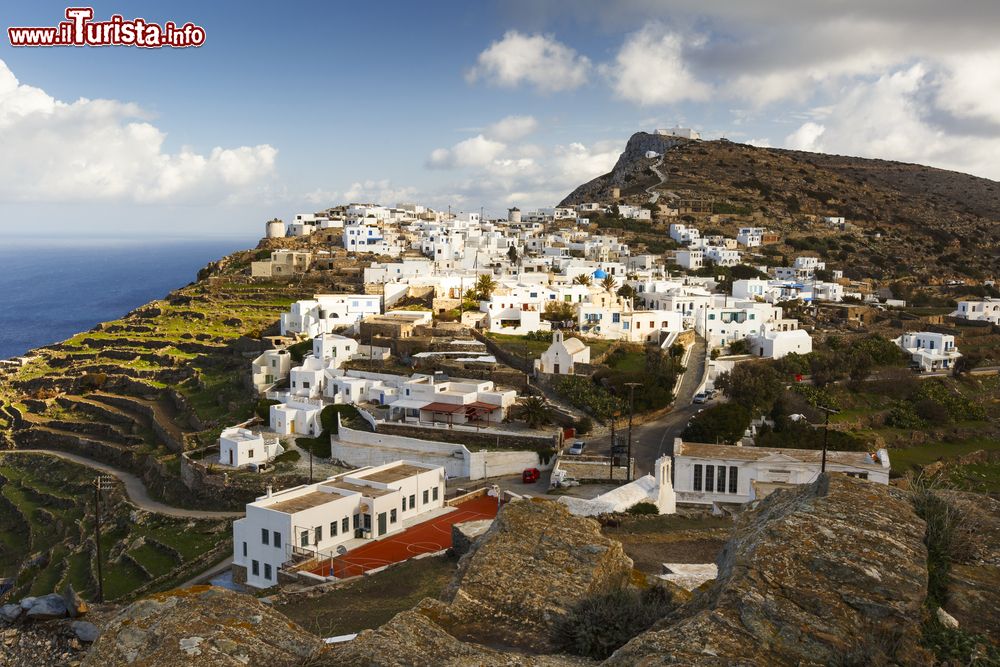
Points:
x=446, y=408
x=479, y=406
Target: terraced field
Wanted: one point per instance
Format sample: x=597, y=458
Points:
x=47, y=534
x=135, y=393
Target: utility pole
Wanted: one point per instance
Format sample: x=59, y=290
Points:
x=311, y=464
x=101, y=483
x=611, y=467
x=826, y=434
x=631, y=410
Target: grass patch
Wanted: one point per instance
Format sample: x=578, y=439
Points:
x=910, y=458
x=369, y=602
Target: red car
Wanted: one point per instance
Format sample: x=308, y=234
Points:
x=530, y=476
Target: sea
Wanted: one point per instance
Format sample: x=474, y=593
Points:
x=53, y=289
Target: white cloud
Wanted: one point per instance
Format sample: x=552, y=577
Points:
x=539, y=60
x=103, y=150
x=892, y=118
x=970, y=86
x=512, y=128
x=378, y=191
x=477, y=151
x=650, y=68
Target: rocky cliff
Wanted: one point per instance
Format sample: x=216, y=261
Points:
x=831, y=573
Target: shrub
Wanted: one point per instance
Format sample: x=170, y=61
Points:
x=291, y=456
x=597, y=626
x=721, y=423
x=584, y=425
x=263, y=408
x=299, y=350
x=644, y=507
x=902, y=415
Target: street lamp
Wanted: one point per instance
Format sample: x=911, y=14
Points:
x=101, y=483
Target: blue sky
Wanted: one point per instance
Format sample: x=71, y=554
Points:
x=467, y=104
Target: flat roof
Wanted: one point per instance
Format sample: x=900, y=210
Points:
x=370, y=491
x=707, y=451
x=393, y=474
x=303, y=502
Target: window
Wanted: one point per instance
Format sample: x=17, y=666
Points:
x=265, y=534
x=277, y=539
x=616, y=317
x=333, y=529
x=710, y=478
x=434, y=493
x=255, y=568
x=304, y=539
x=720, y=482
x=392, y=515
x=426, y=498
x=267, y=571
x=318, y=530
x=733, y=477
x=413, y=501
x=305, y=385
x=404, y=504
x=697, y=477
x=357, y=521
x=250, y=455
x=244, y=549
x=345, y=525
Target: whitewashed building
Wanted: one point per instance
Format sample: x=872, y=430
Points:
x=313, y=520
x=987, y=310
x=929, y=350
x=270, y=367
x=707, y=474
x=563, y=355
x=240, y=447
x=326, y=312
x=776, y=344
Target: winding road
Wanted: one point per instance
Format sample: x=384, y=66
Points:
x=655, y=196
x=654, y=439
x=136, y=490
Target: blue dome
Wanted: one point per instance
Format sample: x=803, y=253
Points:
x=600, y=274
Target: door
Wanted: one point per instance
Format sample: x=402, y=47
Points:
x=230, y=457
x=381, y=523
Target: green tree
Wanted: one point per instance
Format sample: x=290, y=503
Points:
x=582, y=279
x=609, y=284
x=485, y=286
x=512, y=254
x=535, y=412
x=722, y=423
x=627, y=291
x=755, y=385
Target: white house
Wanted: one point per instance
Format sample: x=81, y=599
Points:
x=313, y=520
x=270, y=367
x=803, y=268
x=325, y=312
x=982, y=310
x=706, y=474
x=297, y=416
x=690, y=260
x=684, y=132
x=239, y=447
x=684, y=234
x=721, y=256
x=929, y=350
x=722, y=324
x=776, y=344
x=562, y=355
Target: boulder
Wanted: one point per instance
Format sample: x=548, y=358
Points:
x=75, y=605
x=10, y=612
x=84, y=631
x=47, y=607
x=204, y=626
x=27, y=602
x=834, y=572
x=464, y=534
x=946, y=619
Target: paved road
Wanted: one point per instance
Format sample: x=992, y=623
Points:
x=655, y=196
x=656, y=438
x=134, y=487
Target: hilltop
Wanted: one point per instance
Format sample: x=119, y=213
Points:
x=903, y=219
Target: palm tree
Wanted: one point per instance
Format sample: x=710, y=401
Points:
x=609, y=283
x=535, y=412
x=582, y=279
x=485, y=286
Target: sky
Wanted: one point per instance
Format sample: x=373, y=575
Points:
x=462, y=104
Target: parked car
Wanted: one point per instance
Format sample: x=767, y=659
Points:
x=577, y=447
x=700, y=397
x=530, y=476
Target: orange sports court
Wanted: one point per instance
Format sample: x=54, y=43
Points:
x=427, y=537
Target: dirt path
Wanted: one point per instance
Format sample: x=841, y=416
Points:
x=134, y=487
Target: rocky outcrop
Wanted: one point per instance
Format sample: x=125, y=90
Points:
x=516, y=581
x=203, y=626
x=973, y=588
x=631, y=167
x=813, y=576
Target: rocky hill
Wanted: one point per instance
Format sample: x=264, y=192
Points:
x=842, y=571
x=907, y=219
